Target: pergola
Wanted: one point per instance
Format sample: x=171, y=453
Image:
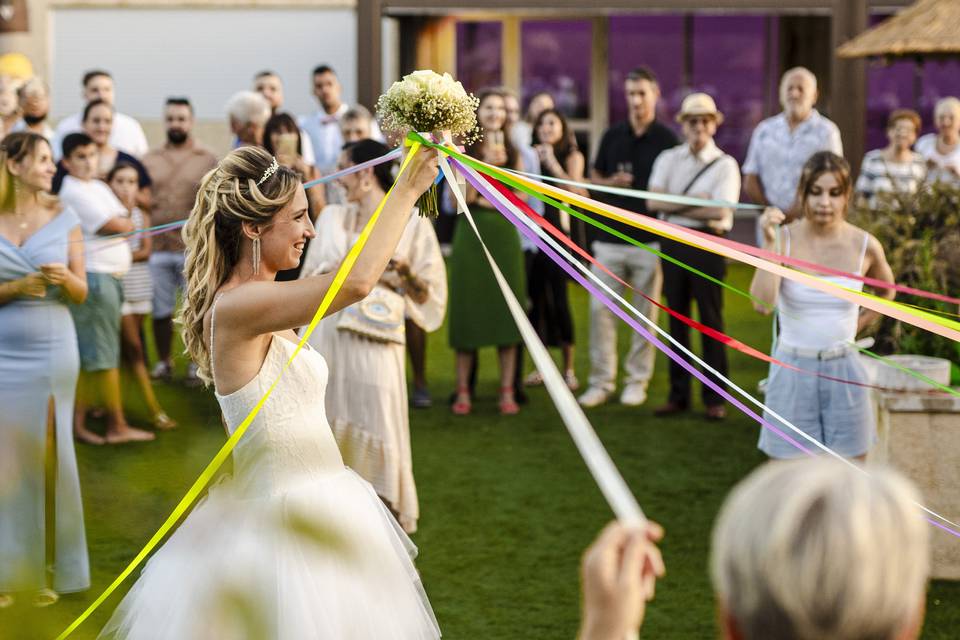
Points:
x=926, y=29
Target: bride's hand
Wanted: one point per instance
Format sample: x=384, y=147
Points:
x=422, y=170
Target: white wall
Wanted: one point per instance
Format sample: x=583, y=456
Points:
x=204, y=54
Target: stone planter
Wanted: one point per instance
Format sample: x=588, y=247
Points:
x=919, y=435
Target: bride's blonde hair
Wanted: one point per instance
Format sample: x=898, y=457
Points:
x=229, y=195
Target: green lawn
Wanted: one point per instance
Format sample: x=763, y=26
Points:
x=507, y=505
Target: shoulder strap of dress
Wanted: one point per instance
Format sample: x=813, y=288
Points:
x=863, y=252
x=786, y=240
x=213, y=319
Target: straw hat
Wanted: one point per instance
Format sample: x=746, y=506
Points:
x=16, y=65
x=699, y=104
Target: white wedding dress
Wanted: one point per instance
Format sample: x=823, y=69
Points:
x=293, y=546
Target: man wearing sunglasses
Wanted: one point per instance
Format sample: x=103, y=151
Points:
x=700, y=169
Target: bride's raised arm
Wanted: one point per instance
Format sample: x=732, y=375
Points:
x=250, y=221
x=276, y=306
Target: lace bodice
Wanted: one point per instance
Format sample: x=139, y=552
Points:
x=290, y=438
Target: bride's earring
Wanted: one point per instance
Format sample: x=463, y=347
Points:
x=256, y=255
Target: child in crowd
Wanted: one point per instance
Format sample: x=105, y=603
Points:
x=98, y=318
x=137, y=290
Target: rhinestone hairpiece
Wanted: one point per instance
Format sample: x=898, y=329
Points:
x=272, y=169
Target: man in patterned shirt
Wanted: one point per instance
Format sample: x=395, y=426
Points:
x=780, y=145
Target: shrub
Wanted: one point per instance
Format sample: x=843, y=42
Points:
x=921, y=236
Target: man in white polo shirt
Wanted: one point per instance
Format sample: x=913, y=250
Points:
x=323, y=126
x=126, y=135
x=97, y=320
x=699, y=169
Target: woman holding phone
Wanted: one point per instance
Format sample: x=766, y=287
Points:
x=473, y=291
x=281, y=137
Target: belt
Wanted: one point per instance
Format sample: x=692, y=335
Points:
x=815, y=354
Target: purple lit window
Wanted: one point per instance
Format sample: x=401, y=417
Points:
x=730, y=64
x=654, y=41
x=556, y=58
x=904, y=85
x=479, y=54
x=729, y=57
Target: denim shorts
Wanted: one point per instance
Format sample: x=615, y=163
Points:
x=166, y=269
x=98, y=323
x=837, y=414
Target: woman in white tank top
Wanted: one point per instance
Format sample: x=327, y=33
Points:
x=817, y=330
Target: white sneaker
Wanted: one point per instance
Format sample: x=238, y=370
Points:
x=160, y=371
x=634, y=394
x=593, y=397
x=193, y=378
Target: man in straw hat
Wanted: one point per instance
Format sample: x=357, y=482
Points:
x=700, y=169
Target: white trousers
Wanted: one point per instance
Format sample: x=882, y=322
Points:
x=642, y=270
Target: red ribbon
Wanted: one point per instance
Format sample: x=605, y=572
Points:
x=719, y=336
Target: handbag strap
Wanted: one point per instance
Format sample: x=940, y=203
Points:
x=693, y=181
x=702, y=171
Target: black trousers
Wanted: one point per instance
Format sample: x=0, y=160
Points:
x=681, y=287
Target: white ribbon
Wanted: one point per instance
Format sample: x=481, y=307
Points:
x=598, y=461
x=590, y=275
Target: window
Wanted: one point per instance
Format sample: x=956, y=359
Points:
x=479, y=54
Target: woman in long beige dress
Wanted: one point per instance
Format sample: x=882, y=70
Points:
x=367, y=390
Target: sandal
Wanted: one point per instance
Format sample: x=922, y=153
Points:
x=163, y=422
x=508, y=406
x=45, y=598
x=571, y=379
x=533, y=380
x=462, y=407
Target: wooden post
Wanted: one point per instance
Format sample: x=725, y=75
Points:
x=599, y=84
x=369, y=51
x=511, y=72
x=848, y=79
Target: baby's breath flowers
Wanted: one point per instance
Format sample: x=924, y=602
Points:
x=428, y=102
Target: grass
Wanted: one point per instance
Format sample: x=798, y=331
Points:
x=507, y=505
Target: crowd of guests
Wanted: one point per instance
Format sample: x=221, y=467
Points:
x=75, y=290
x=79, y=277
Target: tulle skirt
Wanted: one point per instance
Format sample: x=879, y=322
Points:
x=321, y=559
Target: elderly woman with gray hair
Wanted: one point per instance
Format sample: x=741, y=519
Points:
x=942, y=149
x=248, y=112
x=802, y=550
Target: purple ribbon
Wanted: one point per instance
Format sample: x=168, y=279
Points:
x=488, y=193
x=387, y=157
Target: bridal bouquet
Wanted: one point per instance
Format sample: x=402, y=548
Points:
x=428, y=102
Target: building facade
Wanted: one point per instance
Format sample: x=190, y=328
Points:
x=733, y=49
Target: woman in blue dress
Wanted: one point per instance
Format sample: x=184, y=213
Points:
x=41, y=270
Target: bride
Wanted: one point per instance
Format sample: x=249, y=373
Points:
x=294, y=546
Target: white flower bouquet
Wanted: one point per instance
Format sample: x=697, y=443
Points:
x=428, y=102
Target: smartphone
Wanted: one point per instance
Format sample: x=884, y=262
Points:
x=287, y=144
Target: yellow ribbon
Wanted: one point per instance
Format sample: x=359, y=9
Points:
x=200, y=484
x=920, y=318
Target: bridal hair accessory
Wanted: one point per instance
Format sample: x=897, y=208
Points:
x=256, y=255
x=272, y=169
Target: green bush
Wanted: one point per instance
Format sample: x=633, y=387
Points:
x=921, y=236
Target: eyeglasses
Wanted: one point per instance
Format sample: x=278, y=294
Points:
x=695, y=120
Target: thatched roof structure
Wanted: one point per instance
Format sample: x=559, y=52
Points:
x=926, y=28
